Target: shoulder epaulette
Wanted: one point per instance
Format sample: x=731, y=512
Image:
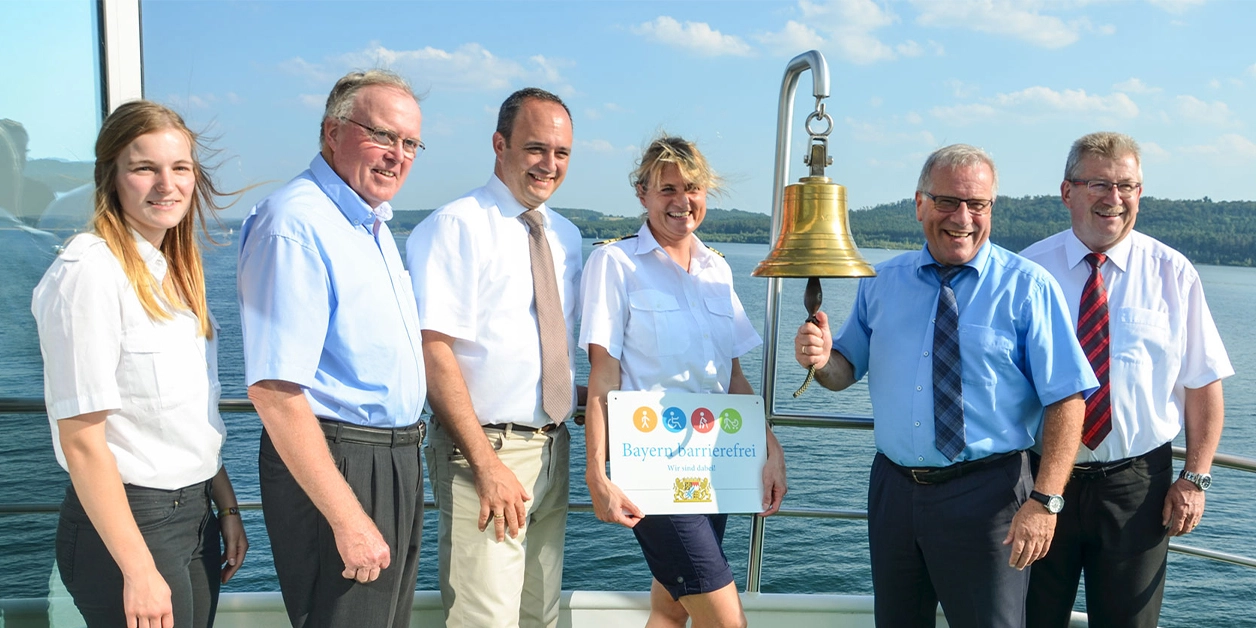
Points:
x=614, y=240
x=714, y=250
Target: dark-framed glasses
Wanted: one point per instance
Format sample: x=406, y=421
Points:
x=384, y=138
x=1099, y=187
x=948, y=204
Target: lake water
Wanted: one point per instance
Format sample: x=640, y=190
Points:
x=827, y=468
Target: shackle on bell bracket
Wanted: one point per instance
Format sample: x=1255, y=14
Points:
x=818, y=157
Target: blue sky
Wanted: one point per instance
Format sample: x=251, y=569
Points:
x=1021, y=78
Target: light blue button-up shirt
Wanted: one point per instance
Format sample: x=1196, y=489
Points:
x=1016, y=341
x=326, y=303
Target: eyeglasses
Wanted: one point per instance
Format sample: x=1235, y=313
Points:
x=388, y=139
x=948, y=204
x=1099, y=187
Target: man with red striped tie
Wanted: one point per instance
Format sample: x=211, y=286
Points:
x=1145, y=327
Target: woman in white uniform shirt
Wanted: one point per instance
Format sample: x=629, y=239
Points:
x=131, y=386
x=660, y=313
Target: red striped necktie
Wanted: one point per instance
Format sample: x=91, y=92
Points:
x=1092, y=333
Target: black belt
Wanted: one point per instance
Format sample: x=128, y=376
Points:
x=1100, y=470
x=528, y=429
x=938, y=475
x=341, y=432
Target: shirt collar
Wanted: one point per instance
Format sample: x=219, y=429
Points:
x=350, y=203
x=508, y=205
x=977, y=263
x=1076, y=251
x=700, y=254
x=152, y=257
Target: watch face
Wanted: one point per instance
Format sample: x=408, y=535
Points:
x=1204, y=482
x=1055, y=504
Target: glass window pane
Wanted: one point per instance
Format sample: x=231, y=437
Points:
x=50, y=110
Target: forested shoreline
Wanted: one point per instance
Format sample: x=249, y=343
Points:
x=1206, y=231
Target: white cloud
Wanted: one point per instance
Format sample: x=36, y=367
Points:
x=313, y=101
x=1177, y=6
x=470, y=67
x=887, y=132
x=191, y=101
x=1251, y=70
x=602, y=146
x=876, y=101
x=960, y=115
x=1215, y=113
x=1038, y=102
x=1214, y=83
x=909, y=48
x=913, y=118
x=960, y=89
x=792, y=38
x=1229, y=146
x=596, y=113
x=1019, y=19
x=843, y=28
x=1154, y=152
x=697, y=37
x=1136, y=86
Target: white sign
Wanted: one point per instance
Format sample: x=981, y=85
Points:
x=688, y=453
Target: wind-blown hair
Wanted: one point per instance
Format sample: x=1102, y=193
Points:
x=664, y=150
x=184, y=285
x=510, y=108
x=1102, y=144
x=956, y=156
x=345, y=93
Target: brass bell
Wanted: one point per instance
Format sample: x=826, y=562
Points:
x=815, y=236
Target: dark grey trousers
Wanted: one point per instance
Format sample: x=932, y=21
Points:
x=388, y=482
x=1112, y=528
x=944, y=543
x=182, y=535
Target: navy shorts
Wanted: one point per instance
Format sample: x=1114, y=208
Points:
x=685, y=552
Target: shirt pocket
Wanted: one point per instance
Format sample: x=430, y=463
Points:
x=156, y=370
x=987, y=354
x=656, y=324
x=1139, y=336
x=721, y=323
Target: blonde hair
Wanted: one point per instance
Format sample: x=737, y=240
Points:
x=184, y=285
x=684, y=154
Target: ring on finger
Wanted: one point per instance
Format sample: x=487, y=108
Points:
x=499, y=516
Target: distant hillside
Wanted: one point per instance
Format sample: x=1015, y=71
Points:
x=1207, y=232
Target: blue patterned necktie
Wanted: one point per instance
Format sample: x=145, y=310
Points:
x=948, y=393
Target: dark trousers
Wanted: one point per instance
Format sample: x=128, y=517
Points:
x=944, y=543
x=388, y=482
x=182, y=535
x=1111, y=529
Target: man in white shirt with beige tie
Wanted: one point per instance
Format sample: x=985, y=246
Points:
x=1139, y=309
x=497, y=274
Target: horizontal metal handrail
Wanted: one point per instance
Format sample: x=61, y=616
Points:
x=35, y=405
x=20, y=508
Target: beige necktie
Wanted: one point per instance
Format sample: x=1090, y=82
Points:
x=555, y=364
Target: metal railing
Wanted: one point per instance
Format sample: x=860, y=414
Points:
x=35, y=405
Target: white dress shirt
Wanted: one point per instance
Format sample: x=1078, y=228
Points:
x=1162, y=338
x=670, y=329
x=472, y=278
x=158, y=380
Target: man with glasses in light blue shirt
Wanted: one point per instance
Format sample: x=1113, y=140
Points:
x=965, y=368
x=334, y=364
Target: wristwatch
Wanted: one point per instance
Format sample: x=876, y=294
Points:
x=1201, y=480
x=1053, y=503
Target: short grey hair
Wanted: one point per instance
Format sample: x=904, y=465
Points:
x=1102, y=144
x=956, y=156
x=344, y=94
